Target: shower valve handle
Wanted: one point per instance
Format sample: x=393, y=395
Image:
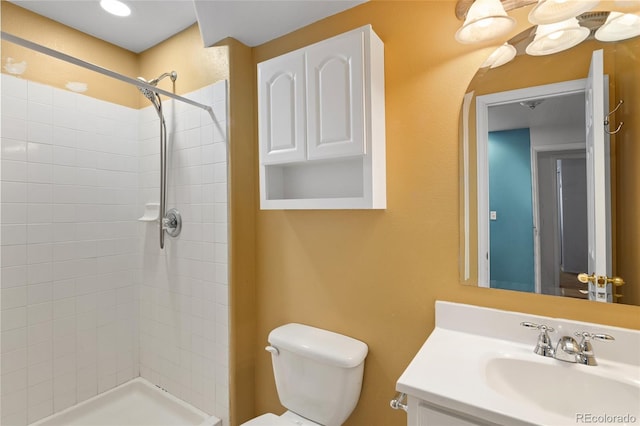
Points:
x=172, y=222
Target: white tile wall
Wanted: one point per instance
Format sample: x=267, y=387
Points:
x=184, y=341
x=75, y=173
x=69, y=252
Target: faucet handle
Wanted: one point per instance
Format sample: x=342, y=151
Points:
x=597, y=336
x=544, y=346
x=586, y=355
x=535, y=326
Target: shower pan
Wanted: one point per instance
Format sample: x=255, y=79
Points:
x=170, y=221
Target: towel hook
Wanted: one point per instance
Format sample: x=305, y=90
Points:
x=606, y=119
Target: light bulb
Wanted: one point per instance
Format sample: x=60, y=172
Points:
x=556, y=35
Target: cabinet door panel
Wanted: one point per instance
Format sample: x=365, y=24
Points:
x=281, y=110
x=426, y=415
x=335, y=95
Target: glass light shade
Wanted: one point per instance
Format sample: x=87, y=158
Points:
x=500, y=56
x=485, y=20
x=619, y=26
x=557, y=37
x=115, y=7
x=552, y=11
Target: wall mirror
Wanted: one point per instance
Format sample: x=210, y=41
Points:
x=538, y=203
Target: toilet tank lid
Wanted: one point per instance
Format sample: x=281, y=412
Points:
x=318, y=344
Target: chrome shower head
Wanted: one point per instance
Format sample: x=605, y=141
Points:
x=151, y=95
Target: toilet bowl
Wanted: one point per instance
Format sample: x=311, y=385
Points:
x=318, y=376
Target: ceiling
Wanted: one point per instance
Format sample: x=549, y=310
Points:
x=252, y=22
x=553, y=111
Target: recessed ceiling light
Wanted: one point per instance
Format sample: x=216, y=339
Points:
x=115, y=7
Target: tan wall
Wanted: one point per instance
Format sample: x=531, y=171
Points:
x=243, y=169
x=375, y=275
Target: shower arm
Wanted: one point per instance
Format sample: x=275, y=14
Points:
x=171, y=74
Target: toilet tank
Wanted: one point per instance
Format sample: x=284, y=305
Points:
x=318, y=372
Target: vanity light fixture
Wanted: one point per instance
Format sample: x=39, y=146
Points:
x=619, y=26
x=486, y=20
x=115, y=7
x=552, y=11
x=553, y=38
x=500, y=56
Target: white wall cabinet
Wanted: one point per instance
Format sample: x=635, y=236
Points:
x=322, y=125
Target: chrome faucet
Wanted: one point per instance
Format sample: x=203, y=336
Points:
x=567, y=349
x=544, y=346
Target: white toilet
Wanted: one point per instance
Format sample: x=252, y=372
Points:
x=318, y=376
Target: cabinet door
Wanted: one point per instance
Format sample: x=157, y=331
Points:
x=281, y=109
x=335, y=97
x=423, y=414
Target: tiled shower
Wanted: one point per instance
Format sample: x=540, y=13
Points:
x=88, y=300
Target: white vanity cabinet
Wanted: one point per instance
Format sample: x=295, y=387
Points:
x=321, y=125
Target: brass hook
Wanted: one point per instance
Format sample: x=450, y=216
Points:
x=606, y=119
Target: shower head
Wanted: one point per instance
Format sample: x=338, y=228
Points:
x=149, y=94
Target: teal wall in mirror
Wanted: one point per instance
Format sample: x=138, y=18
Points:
x=511, y=242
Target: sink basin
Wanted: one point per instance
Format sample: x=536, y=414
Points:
x=563, y=388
